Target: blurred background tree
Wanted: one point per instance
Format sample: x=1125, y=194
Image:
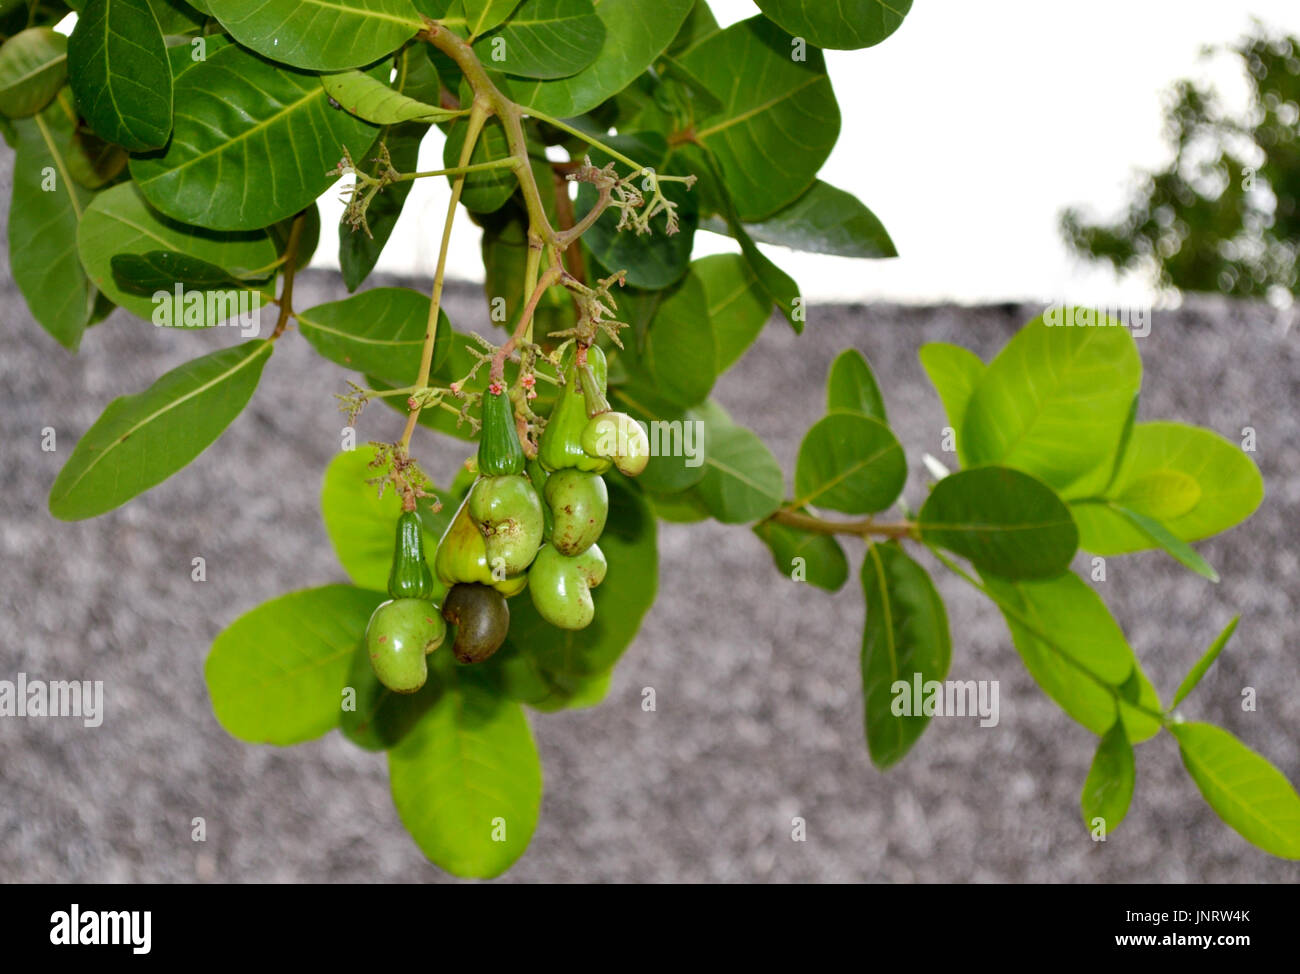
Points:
x=1223, y=216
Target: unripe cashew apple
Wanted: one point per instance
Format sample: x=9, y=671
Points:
x=401, y=632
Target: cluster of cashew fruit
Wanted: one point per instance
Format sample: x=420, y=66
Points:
x=505, y=538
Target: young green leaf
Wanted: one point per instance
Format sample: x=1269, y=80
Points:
x=905, y=639
x=849, y=463
x=253, y=144
x=143, y=439
x=1108, y=788
x=319, y=35
x=842, y=26
x=379, y=332
x=545, y=39
x=119, y=72
x=33, y=67
x=851, y=387
x=775, y=107
x=1243, y=788
x=467, y=781
x=742, y=482
x=276, y=674
x=47, y=207
x=369, y=98
x=818, y=558
x=954, y=372
x=1054, y=403
x=1005, y=522
x=738, y=308
x=1204, y=663
x=824, y=220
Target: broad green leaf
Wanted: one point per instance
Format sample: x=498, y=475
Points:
x=679, y=508
x=636, y=33
x=1108, y=788
x=680, y=351
x=699, y=25
x=482, y=16
x=33, y=67
x=1243, y=788
x=678, y=438
x=379, y=332
x=818, y=558
x=851, y=386
x=545, y=39
x=119, y=222
x=178, y=16
x=1163, y=538
x=276, y=674
x=484, y=192
x=954, y=372
x=238, y=115
x=849, y=463
x=467, y=781
x=738, y=308
x=92, y=161
x=742, y=482
x=1054, y=403
x=143, y=439
x=779, y=120
x=120, y=75
x=843, y=25
x=47, y=206
x=1153, y=478
x=1064, y=632
x=1005, y=522
x=369, y=98
x=156, y=270
x=319, y=35
x=1204, y=663
x=905, y=641
x=824, y=220
x=358, y=250
x=182, y=57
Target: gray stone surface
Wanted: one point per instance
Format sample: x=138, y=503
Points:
x=759, y=706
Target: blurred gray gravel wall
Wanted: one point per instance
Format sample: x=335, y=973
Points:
x=757, y=682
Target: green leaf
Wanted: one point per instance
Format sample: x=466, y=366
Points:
x=844, y=25
x=93, y=162
x=1153, y=480
x=905, y=639
x=1064, y=632
x=467, y=781
x=143, y=439
x=545, y=39
x=849, y=463
x=680, y=351
x=276, y=673
x=369, y=98
x=381, y=718
x=33, y=67
x=1054, y=403
x=636, y=33
x=119, y=222
x=1109, y=785
x=319, y=35
x=119, y=72
x=738, y=308
x=679, y=438
x=1177, y=549
x=379, y=332
x=157, y=270
x=182, y=57
x=742, y=482
x=1005, y=522
x=1242, y=787
x=823, y=562
x=47, y=206
x=780, y=118
x=484, y=192
x=954, y=372
x=238, y=117
x=851, y=386
x=359, y=251
x=1204, y=663
x=824, y=220
x=482, y=16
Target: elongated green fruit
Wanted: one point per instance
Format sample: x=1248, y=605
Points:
x=499, y=451
x=579, y=503
x=561, y=587
x=400, y=634
x=410, y=577
x=561, y=444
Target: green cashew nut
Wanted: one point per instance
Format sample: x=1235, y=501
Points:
x=509, y=514
x=481, y=617
x=561, y=586
x=400, y=633
x=579, y=504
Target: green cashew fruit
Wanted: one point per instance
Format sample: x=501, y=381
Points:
x=508, y=512
x=561, y=586
x=499, y=451
x=579, y=504
x=481, y=617
x=462, y=557
x=410, y=578
x=561, y=445
x=400, y=633
x=620, y=438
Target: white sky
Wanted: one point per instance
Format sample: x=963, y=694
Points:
x=966, y=132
